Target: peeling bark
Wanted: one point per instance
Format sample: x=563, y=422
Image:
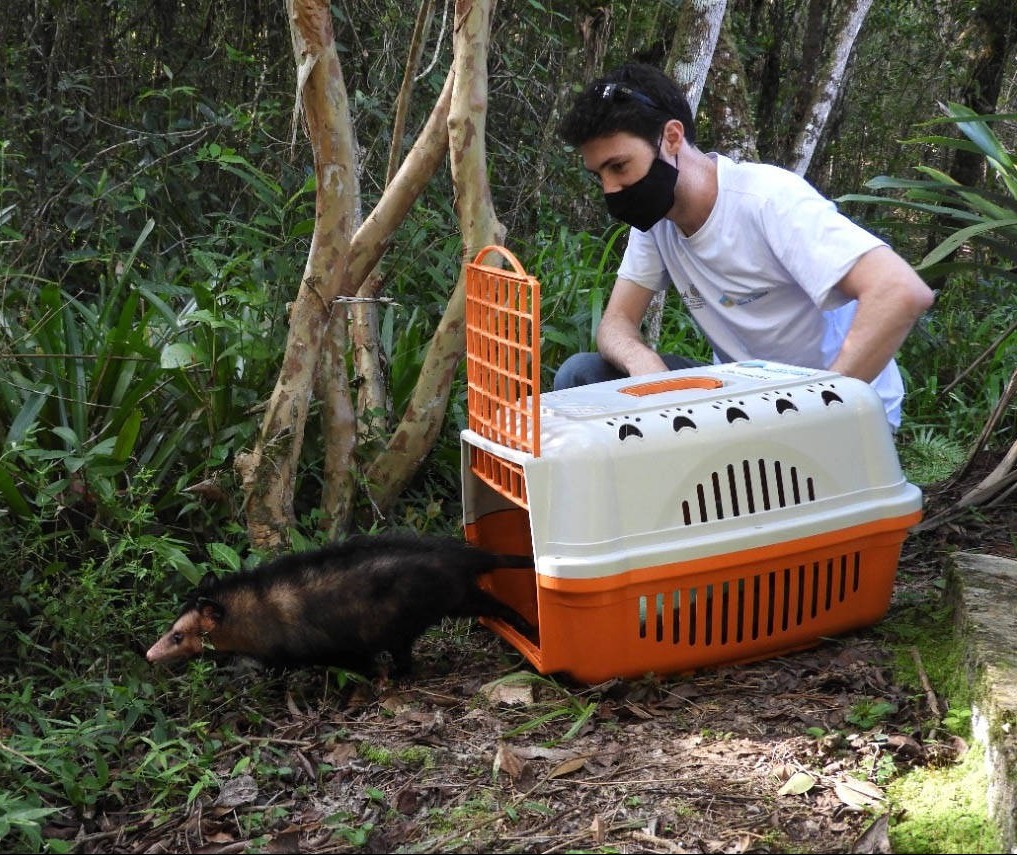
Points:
x=366, y=248
x=339, y=427
x=268, y=472
x=336, y=267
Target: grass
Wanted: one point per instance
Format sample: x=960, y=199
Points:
x=937, y=808
x=944, y=809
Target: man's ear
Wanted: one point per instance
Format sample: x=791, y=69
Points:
x=672, y=137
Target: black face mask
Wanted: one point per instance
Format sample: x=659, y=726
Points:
x=646, y=202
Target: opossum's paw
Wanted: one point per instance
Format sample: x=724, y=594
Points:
x=398, y=665
x=516, y=621
x=244, y=667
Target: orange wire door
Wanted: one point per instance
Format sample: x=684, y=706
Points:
x=503, y=368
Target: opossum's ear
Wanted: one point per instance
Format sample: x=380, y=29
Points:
x=210, y=614
x=207, y=581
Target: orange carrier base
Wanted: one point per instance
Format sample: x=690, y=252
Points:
x=680, y=617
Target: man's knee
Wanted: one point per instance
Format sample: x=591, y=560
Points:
x=581, y=369
x=676, y=363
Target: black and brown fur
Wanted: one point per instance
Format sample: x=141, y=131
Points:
x=339, y=605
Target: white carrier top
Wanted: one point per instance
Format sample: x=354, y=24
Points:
x=689, y=464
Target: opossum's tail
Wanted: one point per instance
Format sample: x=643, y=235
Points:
x=519, y=561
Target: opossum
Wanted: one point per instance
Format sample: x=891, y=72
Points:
x=339, y=605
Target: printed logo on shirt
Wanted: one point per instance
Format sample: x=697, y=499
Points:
x=693, y=299
x=727, y=301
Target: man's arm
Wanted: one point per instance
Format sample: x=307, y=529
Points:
x=619, y=338
x=891, y=297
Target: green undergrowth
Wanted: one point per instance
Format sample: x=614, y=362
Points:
x=944, y=809
x=937, y=807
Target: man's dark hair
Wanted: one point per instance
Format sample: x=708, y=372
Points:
x=635, y=98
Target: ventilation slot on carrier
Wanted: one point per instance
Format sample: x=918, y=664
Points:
x=751, y=608
x=747, y=489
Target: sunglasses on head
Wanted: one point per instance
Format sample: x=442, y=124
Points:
x=621, y=92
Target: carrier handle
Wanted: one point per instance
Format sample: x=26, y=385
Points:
x=671, y=384
x=506, y=253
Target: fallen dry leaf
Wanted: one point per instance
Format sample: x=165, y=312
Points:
x=507, y=760
x=875, y=840
x=598, y=828
x=567, y=767
x=342, y=755
x=858, y=794
x=237, y=791
x=510, y=694
x=395, y=702
x=797, y=784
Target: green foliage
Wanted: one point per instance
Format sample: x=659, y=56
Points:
x=555, y=700
x=981, y=221
x=929, y=457
x=869, y=712
x=576, y=271
x=961, y=355
x=923, y=635
x=80, y=744
x=141, y=359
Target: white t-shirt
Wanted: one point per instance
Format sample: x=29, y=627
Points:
x=759, y=276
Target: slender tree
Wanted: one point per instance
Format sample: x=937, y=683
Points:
x=829, y=78
x=692, y=50
x=340, y=261
x=694, y=42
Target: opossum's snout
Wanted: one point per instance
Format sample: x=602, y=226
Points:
x=183, y=641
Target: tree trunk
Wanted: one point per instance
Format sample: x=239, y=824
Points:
x=694, y=42
x=768, y=97
x=372, y=391
x=268, y=473
x=415, y=436
x=691, y=53
x=727, y=101
x=594, y=27
x=990, y=41
x=829, y=80
x=368, y=244
x=336, y=267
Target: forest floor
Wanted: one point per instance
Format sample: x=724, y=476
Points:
x=477, y=753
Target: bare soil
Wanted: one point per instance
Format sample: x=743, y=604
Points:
x=785, y=755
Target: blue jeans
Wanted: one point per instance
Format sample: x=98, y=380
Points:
x=583, y=368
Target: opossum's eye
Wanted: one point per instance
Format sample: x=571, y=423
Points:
x=177, y=637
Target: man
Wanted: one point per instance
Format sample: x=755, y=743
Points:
x=766, y=266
